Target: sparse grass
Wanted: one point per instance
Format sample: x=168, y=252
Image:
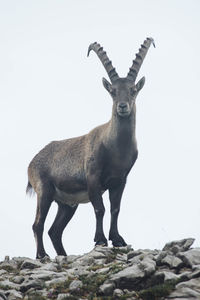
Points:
x=115, y=268
x=95, y=267
x=36, y=296
x=159, y=291
x=91, y=285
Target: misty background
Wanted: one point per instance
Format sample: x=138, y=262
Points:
x=50, y=90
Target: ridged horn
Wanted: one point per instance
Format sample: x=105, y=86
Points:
x=105, y=60
x=137, y=62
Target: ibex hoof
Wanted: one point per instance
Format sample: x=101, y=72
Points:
x=101, y=243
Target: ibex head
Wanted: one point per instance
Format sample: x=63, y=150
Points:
x=123, y=90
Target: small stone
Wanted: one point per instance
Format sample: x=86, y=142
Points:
x=118, y=293
x=56, y=281
x=190, y=257
x=60, y=259
x=172, y=261
x=63, y=296
x=13, y=295
x=186, y=290
x=103, y=270
x=31, y=264
x=18, y=279
x=45, y=259
x=179, y=246
x=2, y=296
x=75, y=285
x=7, y=258
x=167, y=275
x=2, y=272
x=49, y=267
x=28, y=284
x=8, y=285
x=106, y=289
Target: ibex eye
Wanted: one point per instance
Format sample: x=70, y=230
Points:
x=133, y=91
x=113, y=92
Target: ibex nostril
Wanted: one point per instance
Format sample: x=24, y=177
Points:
x=123, y=105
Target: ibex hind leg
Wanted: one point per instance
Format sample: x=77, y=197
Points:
x=64, y=215
x=44, y=200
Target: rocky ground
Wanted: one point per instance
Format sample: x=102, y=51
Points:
x=106, y=273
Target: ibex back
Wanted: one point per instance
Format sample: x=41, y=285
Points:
x=81, y=169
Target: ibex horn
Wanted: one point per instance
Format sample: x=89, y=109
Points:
x=137, y=62
x=105, y=60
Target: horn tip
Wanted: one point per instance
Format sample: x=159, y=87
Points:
x=152, y=40
x=90, y=48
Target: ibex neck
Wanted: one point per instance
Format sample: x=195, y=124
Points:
x=121, y=131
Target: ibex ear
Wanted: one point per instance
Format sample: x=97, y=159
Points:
x=107, y=85
x=140, y=84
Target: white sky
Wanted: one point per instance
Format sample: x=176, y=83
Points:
x=50, y=90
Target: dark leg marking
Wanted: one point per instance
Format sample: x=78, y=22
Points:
x=64, y=215
x=115, y=195
x=43, y=204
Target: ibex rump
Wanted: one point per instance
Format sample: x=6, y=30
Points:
x=81, y=169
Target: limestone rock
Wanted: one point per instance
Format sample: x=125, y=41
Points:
x=187, y=290
x=179, y=246
x=106, y=289
x=191, y=257
x=105, y=271
x=74, y=285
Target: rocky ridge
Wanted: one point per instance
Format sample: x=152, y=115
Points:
x=106, y=273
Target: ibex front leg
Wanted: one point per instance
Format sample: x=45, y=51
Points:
x=99, y=209
x=115, y=195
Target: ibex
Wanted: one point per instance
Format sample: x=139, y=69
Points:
x=81, y=169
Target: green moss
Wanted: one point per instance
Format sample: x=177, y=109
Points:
x=36, y=296
x=60, y=288
x=115, y=268
x=95, y=267
x=157, y=292
x=91, y=285
x=9, y=269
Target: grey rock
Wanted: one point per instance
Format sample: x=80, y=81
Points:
x=3, y=272
x=148, y=266
x=18, y=279
x=2, y=296
x=78, y=271
x=160, y=257
x=63, y=296
x=167, y=275
x=179, y=246
x=106, y=288
x=55, y=281
x=60, y=259
x=172, y=261
x=28, y=284
x=49, y=267
x=13, y=295
x=121, y=257
x=9, y=266
x=187, y=290
x=6, y=284
x=118, y=293
x=103, y=270
x=31, y=264
x=72, y=258
x=97, y=254
x=129, y=276
x=190, y=257
x=75, y=285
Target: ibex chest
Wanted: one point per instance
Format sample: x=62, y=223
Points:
x=117, y=166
